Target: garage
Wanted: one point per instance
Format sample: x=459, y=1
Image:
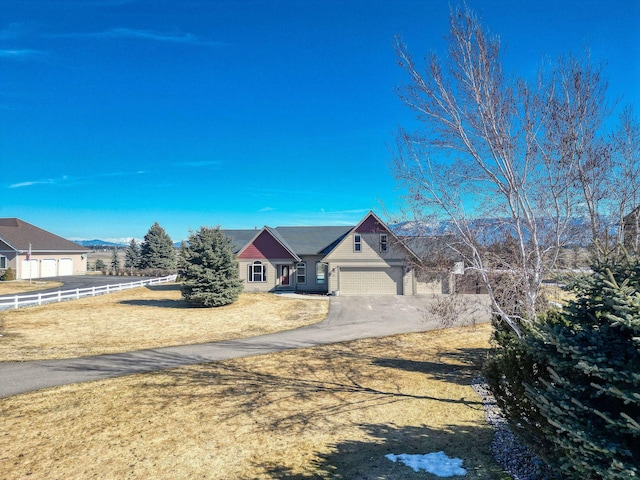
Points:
x=49, y=267
x=66, y=266
x=370, y=281
x=30, y=269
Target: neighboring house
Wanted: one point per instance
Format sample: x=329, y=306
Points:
x=631, y=226
x=365, y=259
x=35, y=253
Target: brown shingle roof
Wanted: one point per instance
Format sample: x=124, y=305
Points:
x=18, y=234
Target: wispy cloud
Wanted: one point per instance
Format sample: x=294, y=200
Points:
x=71, y=180
x=21, y=54
x=30, y=183
x=266, y=209
x=148, y=35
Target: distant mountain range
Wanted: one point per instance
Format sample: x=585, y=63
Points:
x=96, y=243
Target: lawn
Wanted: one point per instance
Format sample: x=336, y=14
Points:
x=330, y=412
x=145, y=317
x=25, y=286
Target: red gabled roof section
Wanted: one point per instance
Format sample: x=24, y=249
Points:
x=266, y=246
x=371, y=224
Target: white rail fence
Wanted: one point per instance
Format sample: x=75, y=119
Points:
x=33, y=299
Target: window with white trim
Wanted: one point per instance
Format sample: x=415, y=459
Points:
x=357, y=243
x=257, y=272
x=301, y=273
x=3, y=261
x=384, y=242
x=321, y=273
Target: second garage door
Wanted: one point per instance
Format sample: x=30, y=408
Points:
x=371, y=281
x=49, y=267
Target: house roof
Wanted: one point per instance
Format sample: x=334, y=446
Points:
x=315, y=240
x=19, y=234
x=298, y=240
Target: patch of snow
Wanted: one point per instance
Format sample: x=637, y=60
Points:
x=438, y=463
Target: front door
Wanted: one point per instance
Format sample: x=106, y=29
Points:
x=285, y=277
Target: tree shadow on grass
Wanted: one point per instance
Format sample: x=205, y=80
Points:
x=459, y=366
x=165, y=287
x=366, y=459
x=161, y=303
x=166, y=303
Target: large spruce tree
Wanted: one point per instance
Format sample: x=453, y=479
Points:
x=209, y=269
x=157, y=250
x=590, y=399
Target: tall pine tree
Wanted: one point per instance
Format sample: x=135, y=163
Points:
x=157, y=250
x=209, y=269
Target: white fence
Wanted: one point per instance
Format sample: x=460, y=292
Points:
x=29, y=300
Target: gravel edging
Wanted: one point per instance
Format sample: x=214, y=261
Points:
x=507, y=450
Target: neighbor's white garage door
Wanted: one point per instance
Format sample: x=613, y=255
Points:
x=49, y=267
x=66, y=266
x=30, y=269
x=371, y=281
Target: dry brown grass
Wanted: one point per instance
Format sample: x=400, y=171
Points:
x=326, y=412
x=141, y=318
x=24, y=286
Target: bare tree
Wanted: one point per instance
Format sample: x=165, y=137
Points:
x=528, y=157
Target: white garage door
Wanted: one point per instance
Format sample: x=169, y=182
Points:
x=371, y=281
x=30, y=269
x=49, y=267
x=66, y=266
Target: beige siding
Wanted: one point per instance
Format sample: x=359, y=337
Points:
x=344, y=261
x=271, y=274
x=428, y=283
x=312, y=285
x=370, y=251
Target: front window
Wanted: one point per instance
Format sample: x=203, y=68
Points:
x=357, y=243
x=257, y=272
x=3, y=262
x=301, y=273
x=321, y=273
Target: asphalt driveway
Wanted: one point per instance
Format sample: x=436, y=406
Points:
x=350, y=318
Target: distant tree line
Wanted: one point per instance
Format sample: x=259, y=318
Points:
x=156, y=255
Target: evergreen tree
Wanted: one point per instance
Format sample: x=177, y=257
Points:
x=571, y=386
x=132, y=254
x=157, y=250
x=115, y=260
x=209, y=269
x=590, y=399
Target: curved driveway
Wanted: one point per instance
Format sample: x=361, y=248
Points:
x=349, y=318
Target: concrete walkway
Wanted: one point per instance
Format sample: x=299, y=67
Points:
x=349, y=318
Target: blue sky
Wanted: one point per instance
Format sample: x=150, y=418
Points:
x=115, y=114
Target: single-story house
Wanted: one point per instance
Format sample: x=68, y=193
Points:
x=365, y=259
x=35, y=253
